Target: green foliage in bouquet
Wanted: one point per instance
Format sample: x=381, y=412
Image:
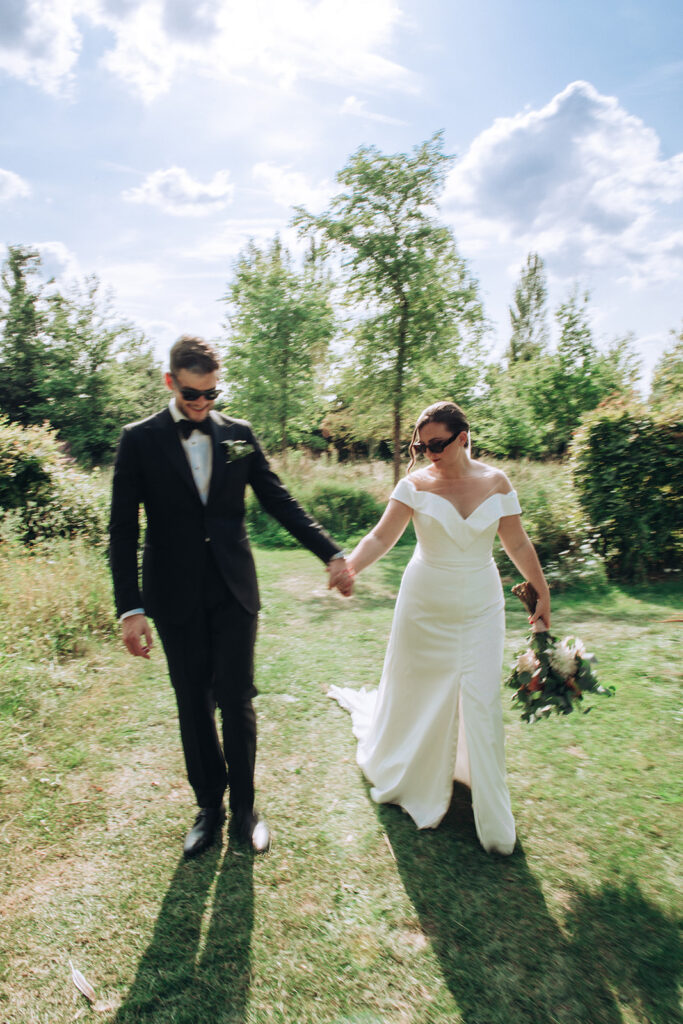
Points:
x=550, y=674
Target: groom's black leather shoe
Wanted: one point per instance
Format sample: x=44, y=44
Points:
x=203, y=832
x=252, y=830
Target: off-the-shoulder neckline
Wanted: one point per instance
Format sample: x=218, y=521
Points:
x=464, y=519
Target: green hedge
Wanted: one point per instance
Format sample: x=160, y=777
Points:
x=628, y=470
x=556, y=524
x=42, y=493
x=345, y=511
x=552, y=516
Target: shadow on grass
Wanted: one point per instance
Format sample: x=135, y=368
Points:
x=638, y=948
x=189, y=973
x=502, y=954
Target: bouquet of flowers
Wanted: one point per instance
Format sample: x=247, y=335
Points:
x=550, y=674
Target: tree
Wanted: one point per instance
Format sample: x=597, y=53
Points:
x=22, y=343
x=666, y=389
x=511, y=418
x=280, y=325
x=617, y=369
x=581, y=376
x=528, y=316
x=573, y=383
x=66, y=358
x=532, y=406
x=415, y=306
x=100, y=372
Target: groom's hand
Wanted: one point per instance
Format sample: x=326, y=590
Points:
x=341, y=576
x=137, y=635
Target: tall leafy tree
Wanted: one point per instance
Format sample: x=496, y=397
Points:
x=23, y=341
x=666, y=389
x=100, y=372
x=279, y=327
x=528, y=316
x=415, y=305
x=512, y=415
x=531, y=406
x=67, y=358
x=574, y=383
x=581, y=376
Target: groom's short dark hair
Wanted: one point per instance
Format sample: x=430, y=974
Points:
x=194, y=354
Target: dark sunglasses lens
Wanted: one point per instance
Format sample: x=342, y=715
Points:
x=437, y=446
x=420, y=448
x=192, y=395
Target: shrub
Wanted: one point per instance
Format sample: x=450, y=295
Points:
x=345, y=511
x=551, y=512
x=628, y=469
x=566, y=544
x=42, y=493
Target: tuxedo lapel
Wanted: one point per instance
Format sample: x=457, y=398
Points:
x=219, y=432
x=168, y=438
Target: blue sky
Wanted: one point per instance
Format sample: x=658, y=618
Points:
x=147, y=140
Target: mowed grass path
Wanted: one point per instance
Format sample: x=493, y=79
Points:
x=354, y=916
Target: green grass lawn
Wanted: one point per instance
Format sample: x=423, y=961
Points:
x=354, y=916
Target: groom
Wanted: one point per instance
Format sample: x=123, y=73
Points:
x=189, y=467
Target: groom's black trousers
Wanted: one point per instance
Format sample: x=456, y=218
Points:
x=211, y=664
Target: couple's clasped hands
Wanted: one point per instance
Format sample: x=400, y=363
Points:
x=341, y=576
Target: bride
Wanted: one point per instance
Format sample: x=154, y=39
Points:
x=437, y=713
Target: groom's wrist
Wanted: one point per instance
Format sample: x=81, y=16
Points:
x=133, y=611
x=337, y=555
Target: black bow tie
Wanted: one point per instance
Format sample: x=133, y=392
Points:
x=185, y=427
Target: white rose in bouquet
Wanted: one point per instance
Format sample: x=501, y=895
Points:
x=563, y=660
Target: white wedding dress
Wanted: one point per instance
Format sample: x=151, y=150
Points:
x=437, y=713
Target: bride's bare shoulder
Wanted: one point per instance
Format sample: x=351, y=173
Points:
x=420, y=479
x=499, y=482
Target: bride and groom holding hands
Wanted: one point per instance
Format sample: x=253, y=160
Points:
x=437, y=712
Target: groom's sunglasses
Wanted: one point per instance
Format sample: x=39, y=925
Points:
x=435, y=447
x=193, y=394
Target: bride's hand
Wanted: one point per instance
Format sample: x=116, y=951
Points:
x=341, y=576
x=540, y=620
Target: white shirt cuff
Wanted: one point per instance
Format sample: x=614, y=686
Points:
x=133, y=611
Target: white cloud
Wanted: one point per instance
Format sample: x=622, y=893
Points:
x=357, y=108
x=233, y=235
x=58, y=263
x=39, y=41
x=280, y=40
x=580, y=181
x=12, y=187
x=153, y=41
x=174, y=191
x=287, y=187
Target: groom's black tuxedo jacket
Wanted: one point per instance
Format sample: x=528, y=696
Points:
x=152, y=470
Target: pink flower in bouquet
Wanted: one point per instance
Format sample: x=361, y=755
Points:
x=527, y=661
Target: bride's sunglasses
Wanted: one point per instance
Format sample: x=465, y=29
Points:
x=435, y=447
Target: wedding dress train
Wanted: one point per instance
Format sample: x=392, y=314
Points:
x=437, y=712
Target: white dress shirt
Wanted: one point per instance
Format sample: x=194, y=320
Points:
x=199, y=452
